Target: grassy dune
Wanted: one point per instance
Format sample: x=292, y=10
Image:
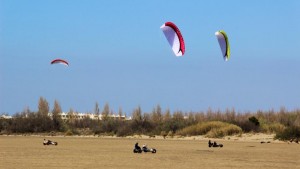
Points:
x=77, y=152
x=214, y=129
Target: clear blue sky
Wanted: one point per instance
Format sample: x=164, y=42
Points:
x=118, y=55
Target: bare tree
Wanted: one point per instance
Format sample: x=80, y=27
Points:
x=178, y=115
x=105, y=112
x=167, y=116
x=56, y=116
x=71, y=116
x=43, y=121
x=156, y=115
x=97, y=111
x=120, y=113
x=43, y=108
x=71, y=120
x=137, y=114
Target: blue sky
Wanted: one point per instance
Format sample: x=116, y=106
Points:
x=118, y=55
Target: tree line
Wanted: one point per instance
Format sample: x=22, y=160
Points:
x=285, y=124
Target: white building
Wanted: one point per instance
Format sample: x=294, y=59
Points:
x=66, y=116
x=5, y=117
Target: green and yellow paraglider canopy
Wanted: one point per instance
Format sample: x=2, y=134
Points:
x=224, y=44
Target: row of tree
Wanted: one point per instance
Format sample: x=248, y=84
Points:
x=157, y=122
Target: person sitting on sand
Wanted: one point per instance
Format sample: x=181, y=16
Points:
x=144, y=147
x=209, y=143
x=47, y=141
x=136, y=146
x=215, y=144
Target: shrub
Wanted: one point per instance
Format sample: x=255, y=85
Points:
x=224, y=131
x=288, y=133
x=272, y=128
x=215, y=133
x=163, y=133
x=69, y=133
x=124, y=130
x=97, y=130
x=247, y=126
x=254, y=120
x=171, y=134
x=211, y=129
x=52, y=133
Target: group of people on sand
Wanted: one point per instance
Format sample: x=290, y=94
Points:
x=138, y=149
x=214, y=144
x=136, y=146
x=49, y=142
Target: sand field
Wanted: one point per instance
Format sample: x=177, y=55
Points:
x=97, y=152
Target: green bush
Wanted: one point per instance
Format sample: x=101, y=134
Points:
x=254, y=120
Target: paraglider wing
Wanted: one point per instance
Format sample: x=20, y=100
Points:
x=174, y=38
x=60, y=61
x=224, y=44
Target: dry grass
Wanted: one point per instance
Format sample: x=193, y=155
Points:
x=76, y=152
x=213, y=129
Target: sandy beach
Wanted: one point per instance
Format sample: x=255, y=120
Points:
x=112, y=152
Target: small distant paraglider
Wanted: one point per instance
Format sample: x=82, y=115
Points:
x=59, y=61
x=224, y=44
x=174, y=38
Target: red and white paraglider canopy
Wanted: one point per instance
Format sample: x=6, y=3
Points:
x=59, y=61
x=174, y=38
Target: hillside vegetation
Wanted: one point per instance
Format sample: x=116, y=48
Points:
x=285, y=124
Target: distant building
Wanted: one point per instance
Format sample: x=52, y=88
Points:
x=5, y=117
x=78, y=116
x=67, y=116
